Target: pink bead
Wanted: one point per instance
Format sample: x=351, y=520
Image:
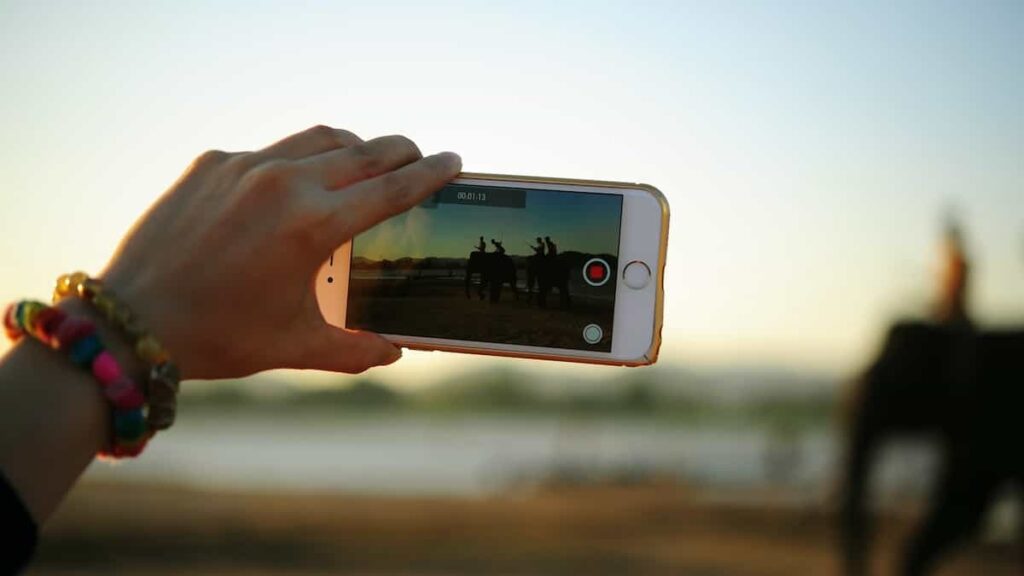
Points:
x=105, y=368
x=124, y=394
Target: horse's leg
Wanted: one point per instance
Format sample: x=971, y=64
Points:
x=956, y=511
x=863, y=431
x=496, y=289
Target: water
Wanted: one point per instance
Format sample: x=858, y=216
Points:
x=479, y=455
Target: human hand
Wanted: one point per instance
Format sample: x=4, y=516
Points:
x=221, y=269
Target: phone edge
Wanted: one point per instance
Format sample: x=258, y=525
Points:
x=648, y=358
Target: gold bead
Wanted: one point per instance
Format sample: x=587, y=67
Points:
x=76, y=280
x=133, y=329
x=63, y=287
x=150, y=350
x=104, y=304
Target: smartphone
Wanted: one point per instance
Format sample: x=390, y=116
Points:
x=545, y=268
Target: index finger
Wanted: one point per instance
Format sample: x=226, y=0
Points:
x=366, y=203
x=310, y=142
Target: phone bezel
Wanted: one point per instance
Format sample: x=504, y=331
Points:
x=636, y=338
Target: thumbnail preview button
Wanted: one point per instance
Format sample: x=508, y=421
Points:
x=596, y=272
x=592, y=333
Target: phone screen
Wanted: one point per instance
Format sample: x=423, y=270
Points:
x=492, y=264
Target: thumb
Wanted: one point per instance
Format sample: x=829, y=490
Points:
x=340, y=350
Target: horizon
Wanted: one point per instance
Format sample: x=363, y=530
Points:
x=809, y=152
x=447, y=230
x=723, y=384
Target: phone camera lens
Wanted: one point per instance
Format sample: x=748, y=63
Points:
x=330, y=279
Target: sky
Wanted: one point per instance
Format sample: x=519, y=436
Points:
x=808, y=150
x=587, y=223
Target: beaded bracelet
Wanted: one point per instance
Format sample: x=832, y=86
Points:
x=77, y=337
x=164, y=378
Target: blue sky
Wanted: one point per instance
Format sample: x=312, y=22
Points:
x=808, y=150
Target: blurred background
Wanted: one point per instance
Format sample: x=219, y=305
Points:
x=812, y=154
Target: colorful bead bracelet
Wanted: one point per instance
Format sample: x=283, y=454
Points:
x=77, y=337
x=164, y=377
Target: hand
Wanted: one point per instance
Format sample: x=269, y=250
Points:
x=222, y=268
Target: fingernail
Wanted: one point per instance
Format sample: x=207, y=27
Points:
x=452, y=159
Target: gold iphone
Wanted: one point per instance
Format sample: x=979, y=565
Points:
x=545, y=268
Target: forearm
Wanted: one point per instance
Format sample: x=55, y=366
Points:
x=220, y=271
x=55, y=415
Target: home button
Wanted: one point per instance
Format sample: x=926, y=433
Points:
x=636, y=275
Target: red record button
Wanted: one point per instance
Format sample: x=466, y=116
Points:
x=596, y=272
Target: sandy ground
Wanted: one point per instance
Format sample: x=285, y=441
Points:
x=144, y=529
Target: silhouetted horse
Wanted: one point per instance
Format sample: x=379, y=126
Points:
x=494, y=270
x=964, y=388
x=552, y=272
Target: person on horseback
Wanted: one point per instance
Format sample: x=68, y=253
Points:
x=552, y=249
x=942, y=377
x=951, y=307
x=538, y=249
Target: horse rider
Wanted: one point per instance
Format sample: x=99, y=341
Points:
x=951, y=307
x=538, y=249
x=552, y=249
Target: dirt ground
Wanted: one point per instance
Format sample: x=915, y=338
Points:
x=438, y=307
x=147, y=530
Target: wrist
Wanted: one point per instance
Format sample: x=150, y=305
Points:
x=162, y=377
x=56, y=420
x=113, y=340
x=151, y=316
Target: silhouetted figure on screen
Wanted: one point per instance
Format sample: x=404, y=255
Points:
x=946, y=380
x=552, y=249
x=538, y=249
x=494, y=269
x=552, y=272
x=534, y=264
